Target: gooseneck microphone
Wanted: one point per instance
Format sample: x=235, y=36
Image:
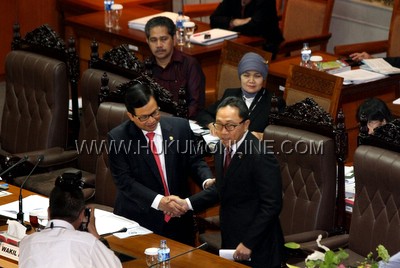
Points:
x=20, y=215
x=202, y=246
x=22, y=160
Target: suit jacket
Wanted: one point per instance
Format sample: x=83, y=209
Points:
x=138, y=180
x=395, y=61
x=258, y=116
x=264, y=19
x=250, y=196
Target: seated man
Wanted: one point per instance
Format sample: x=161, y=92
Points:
x=252, y=71
x=173, y=69
x=61, y=244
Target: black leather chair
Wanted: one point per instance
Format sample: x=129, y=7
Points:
x=40, y=72
x=375, y=218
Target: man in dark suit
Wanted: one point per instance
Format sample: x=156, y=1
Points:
x=151, y=160
x=248, y=186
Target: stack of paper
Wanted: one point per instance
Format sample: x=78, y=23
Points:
x=212, y=36
x=140, y=23
x=379, y=65
x=359, y=76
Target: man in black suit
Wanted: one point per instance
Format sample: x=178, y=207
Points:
x=146, y=180
x=249, y=189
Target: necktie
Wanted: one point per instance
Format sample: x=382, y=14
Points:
x=228, y=152
x=153, y=149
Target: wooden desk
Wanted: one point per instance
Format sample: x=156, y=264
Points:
x=135, y=246
x=91, y=26
x=387, y=89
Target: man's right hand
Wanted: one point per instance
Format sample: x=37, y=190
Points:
x=173, y=206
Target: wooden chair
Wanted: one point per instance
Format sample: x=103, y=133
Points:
x=305, y=21
x=227, y=74
x=324, y=88
x=199, y=10
x=391, y=46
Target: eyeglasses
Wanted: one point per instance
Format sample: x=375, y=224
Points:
x=143, y=118
x=228, y=127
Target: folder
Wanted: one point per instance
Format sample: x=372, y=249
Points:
x=140, y=23
x=212, y=36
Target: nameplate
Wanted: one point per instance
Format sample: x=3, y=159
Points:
x=9, y=251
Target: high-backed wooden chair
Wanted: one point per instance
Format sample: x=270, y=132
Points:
x=391, y=46
x=227, y=74
x=311, y=153
x=41, y=73
x=305, y=21
x=324, y=88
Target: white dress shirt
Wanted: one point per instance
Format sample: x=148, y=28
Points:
x=63, y=246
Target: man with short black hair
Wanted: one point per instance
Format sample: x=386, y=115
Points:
x=160, y=156
x=173, y=69
x=61, y=244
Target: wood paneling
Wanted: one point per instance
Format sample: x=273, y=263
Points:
x=30, y=14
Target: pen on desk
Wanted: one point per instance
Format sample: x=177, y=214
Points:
x=199, y=34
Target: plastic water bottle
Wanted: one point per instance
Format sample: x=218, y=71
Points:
x=180, y=31
x=108, y=22
x=163, y=254
x=305, y=55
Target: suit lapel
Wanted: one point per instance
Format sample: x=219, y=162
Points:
x=144, y=151
x=168, y=138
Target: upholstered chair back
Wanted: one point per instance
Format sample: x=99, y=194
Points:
x=35, y=115
x=376, y=210
x=109, y=115
x=308, y=170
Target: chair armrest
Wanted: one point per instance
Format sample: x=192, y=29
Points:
x=332, y=242
x=305, y=236
x=297, y=44
x=369, y=47
x=52, y=157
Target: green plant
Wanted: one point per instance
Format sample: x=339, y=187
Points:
x=371, y=262
x=330, y=259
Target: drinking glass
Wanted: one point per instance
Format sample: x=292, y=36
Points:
x=42, y=220
x=33, y=219
x=116, y=12
x=189, y=30
x=151, y=256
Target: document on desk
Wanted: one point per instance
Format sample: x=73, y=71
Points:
x=359, y=76
x=32, y=202
x=140, y=23
x=379, y=65
x=107, y=222
x=212, y=36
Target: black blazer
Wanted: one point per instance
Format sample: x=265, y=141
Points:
x=250, y=196
x=264, y=19
x=258, y=116
x=137, y=178
x=395, y=61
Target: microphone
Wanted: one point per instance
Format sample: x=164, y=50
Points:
x=122, y=230
x=202, y=246
x=22, y=160
x=20, y=215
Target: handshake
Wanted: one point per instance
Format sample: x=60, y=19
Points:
x=175, y=206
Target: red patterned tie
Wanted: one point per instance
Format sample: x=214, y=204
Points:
x=227, y=158
x=153, y=149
